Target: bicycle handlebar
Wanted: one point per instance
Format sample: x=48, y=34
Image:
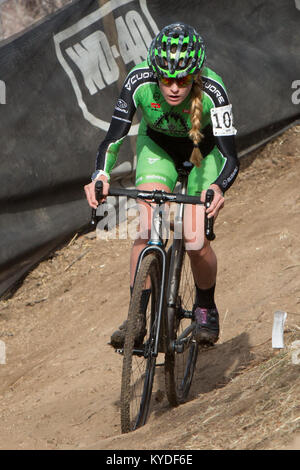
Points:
x=159, y=197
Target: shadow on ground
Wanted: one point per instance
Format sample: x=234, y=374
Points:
x=216, y=367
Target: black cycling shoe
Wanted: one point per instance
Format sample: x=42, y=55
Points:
x=206, y=325
x=118, y=337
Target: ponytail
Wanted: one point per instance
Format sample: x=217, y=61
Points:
x=196, y=115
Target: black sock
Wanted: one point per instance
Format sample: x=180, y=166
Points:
x=205, y=298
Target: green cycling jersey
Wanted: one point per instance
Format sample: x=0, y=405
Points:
x=164, y=129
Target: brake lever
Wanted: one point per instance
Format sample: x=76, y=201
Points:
x=98, y=194
x=209, y=222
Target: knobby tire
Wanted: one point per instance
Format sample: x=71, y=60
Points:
x=138, y=361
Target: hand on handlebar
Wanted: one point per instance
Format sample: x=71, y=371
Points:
x=217, y=202
x=90, y=191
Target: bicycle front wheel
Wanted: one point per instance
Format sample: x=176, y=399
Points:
x=139, y=361
x=181, y=358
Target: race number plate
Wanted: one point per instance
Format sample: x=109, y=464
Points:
x=222, y=120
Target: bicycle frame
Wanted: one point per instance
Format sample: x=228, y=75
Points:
x=155, y=244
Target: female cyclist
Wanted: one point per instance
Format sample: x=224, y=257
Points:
x=186, y=115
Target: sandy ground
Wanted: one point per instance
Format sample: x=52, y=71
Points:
x=60, y=385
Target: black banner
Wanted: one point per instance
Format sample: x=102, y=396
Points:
x=59, y=82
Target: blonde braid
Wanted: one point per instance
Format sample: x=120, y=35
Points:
x=196, y=115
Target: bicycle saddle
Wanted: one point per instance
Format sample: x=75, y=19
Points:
x=184, y=169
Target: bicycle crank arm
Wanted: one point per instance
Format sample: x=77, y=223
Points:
x=185, y=334
x=179, y=344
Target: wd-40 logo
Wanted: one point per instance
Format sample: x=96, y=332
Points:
x=90, y=61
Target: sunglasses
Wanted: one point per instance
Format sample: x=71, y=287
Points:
x=181, y=82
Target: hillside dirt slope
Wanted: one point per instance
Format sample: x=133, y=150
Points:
x=60, y=386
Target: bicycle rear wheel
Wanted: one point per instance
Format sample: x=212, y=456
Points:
x=139, y=361
x=181, y=358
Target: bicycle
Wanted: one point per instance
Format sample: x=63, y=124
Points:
x=168, y=323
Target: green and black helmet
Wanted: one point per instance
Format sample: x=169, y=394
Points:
x=178, y=50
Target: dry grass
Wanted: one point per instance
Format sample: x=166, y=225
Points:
x=260, y=407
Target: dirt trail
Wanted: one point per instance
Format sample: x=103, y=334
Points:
x=60, y=385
